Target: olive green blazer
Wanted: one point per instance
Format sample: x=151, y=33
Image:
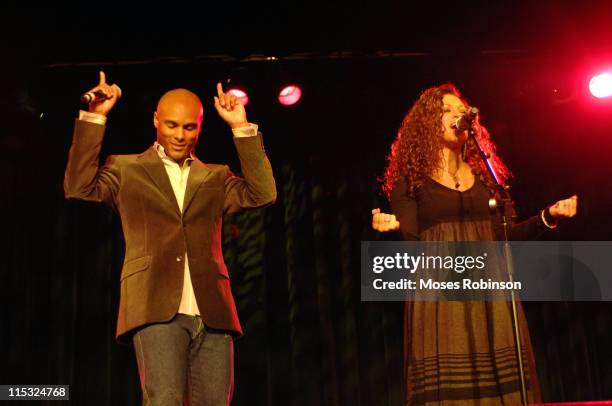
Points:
x=157, y=235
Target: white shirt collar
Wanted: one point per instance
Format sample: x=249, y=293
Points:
x=162, y=153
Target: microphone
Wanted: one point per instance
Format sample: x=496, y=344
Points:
x=465, y=121
x=97, y=95
x=91, y=96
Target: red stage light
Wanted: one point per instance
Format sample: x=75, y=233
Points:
x=601, y=85
x=290, y=95
x=240, y=94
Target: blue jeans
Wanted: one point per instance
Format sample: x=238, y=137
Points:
x=184, y=359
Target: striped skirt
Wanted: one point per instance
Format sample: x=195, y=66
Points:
x=464, y=353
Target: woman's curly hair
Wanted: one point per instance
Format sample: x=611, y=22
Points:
x=416, y=152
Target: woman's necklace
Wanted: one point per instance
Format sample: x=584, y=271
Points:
x=455, y=177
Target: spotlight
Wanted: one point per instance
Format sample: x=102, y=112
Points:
x=240, y=94
x=290, y=95
x=601, y=85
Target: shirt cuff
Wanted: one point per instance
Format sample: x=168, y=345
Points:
x=92, y=117
x=246, y=131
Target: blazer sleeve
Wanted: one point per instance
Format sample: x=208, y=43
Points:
x=257, y=188
x=83, y=179
x=405, y=209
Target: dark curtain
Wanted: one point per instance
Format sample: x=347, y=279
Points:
x=309, y=339
x=294, y=266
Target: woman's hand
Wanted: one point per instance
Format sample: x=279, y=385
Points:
x=564, y=208
x=384, y=222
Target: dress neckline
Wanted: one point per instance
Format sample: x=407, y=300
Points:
x=451, y=189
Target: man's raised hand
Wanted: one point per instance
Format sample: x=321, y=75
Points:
x=230, y=109
x=111, y=92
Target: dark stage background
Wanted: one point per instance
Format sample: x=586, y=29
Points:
x=294, y=266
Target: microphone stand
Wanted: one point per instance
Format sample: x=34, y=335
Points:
x=505, y=199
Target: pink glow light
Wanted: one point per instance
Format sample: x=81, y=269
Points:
x=290, y=95
x=240, y=94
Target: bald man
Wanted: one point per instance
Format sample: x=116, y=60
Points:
x=176, y=303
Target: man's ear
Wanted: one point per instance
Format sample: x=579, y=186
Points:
x=155, y=120
x=200, y=121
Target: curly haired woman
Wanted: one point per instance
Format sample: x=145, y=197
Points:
x=456, y=353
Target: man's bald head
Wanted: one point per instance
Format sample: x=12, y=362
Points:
x=178, y=121
x=180, y=99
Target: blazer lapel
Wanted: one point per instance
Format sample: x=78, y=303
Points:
x=197, y=175
x=155, y=168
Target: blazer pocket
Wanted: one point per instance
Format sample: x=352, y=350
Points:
x=222, y=269
x=217, y=267
x=135, y=265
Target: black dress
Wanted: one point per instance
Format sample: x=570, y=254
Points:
x=461, y=353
